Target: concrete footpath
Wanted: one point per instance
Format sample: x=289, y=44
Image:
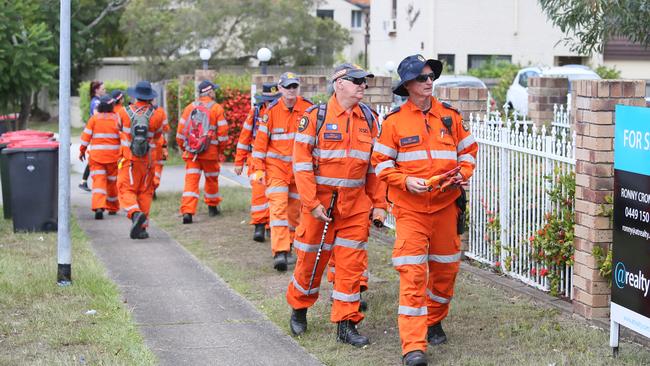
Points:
x=186, y=313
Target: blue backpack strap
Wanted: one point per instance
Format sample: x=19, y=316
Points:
x=273, y=104
x=392, y=111
x=307, y=100
x=320, y=117
x=449, y=106
x=256, y=115
x=368, y=115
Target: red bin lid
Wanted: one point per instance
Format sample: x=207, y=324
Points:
x=28, y=133
x=33, y=144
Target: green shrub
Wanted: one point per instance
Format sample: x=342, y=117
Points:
x=608, y=72
x=84, y=98
x=492, y=69
x=320, y=98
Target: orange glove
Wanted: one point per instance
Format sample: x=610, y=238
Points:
x=439, y=179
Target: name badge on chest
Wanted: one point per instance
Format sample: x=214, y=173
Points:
x=332, y=136
x=409, y=140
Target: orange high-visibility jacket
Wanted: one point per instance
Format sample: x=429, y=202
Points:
x=418, y=145
x=248, y=133
x=101, y=137
x=273, y=148
x=338, y=157
x=155, y=129
x=218, y=124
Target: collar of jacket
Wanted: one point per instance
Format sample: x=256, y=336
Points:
x=338, y=110
x=434, y=111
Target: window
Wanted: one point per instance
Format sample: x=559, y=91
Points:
x=394, y=10
x=357, y=17
x=448, y=61
x=569, y=60
x=476, y=61
x=325, y=14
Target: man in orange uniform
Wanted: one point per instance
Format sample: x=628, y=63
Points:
x=140, y=129
x=161, y=154
x=332, y=153
x=259, y=202
x=207, y=160
x=101, y=137
x=419, y=140
x=272, y=154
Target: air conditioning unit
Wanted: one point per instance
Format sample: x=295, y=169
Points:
x=392, y=27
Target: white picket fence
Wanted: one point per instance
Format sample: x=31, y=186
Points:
x=508, y=184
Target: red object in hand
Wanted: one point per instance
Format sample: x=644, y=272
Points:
x=439, y=179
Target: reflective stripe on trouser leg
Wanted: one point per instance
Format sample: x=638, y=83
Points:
x=190, y=196
x=259, y=204
x=278, y=194
x=308, y=235
x=410, y=256
x=211, y=187
x=157, y=175
x=443, y=261
x=134, y=183
x=350, y=251
x=99, y=185
x=112, y=202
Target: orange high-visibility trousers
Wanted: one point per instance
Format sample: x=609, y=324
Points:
x=331, y=273
x=259, y=201
x=347, y=239
x=284, y=213
x=427, y=256
x=193, y=171
x=135, y=186
x=104, y=176
x=158, y=168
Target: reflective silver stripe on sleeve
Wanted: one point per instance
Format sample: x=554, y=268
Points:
x=112, y=178
x=407, y=310
x=273, y=155
x=212, y=195
x=248, y=127
x=106, y=136
x=193, y=171
x=263, y=129
x=126, y=129
x=179, y=136
x=97, y=172
x=358, y=154
x=307, y=139
x=260, y=207
x=444, y=154
x=259, y=155
x=99, y=190
x=277, y=190
x=222, y=138
x=436, y=298
x=85, y=143
x=340, y=182
x=465, y=143
x=302, y=167
x=283, y=136
x=125, y=143
x=293, y=195
x=336, y=295
x=222, y=123
x=409, y=259
x=310, y=248
x=299, y=288
x=277, y=130
x=211, y=174
x=352, y=244
x=383, y=165
x=468, y=158
x=191, y=194
x=104, y=147
x=445, y=258
x=328, y=154
x=277, y=223
x=412, y=155
x=380, y=148
x=90, y=132
x=243, y=146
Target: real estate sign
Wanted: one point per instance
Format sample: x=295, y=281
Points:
x=630, y=305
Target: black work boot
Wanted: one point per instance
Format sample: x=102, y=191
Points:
x=435, y=334
x=138, y=219
x=99, y=214
x=363, y=305
x=347, y=333
x=268, y=233
x=280, y=261
x=187, y=218
x=298, y=321
x=143, y=234
x=258, y=234
x=415, y=358
x=213, y=211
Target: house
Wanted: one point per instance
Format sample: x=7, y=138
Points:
x=351, y=15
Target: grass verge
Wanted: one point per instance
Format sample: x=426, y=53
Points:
x=53, y=127
x=43, y=324
x=486, y=326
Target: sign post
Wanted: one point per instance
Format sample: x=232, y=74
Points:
x=630, y=305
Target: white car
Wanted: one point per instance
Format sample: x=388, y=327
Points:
x=517, y=96
x=458, y=81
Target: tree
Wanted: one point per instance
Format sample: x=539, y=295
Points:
x=232, y=30
x=588, y=24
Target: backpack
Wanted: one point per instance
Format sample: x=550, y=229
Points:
x=140, y=129
x=197, y=130
x=322, y=112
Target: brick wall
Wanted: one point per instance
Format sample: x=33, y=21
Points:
x=467, y=100
x=594, y=105
x=543, y=93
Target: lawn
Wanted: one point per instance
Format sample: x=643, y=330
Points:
x=487, y=324
x=53, y=127
x=43, y=324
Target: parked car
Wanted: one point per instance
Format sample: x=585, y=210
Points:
x=517, y=96
x=459, y=81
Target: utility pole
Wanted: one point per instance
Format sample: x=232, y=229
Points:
x=64, y=247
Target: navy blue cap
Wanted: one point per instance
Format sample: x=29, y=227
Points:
x=353, y=71
x=288, y=78
x=411, y=67
x=269, y=93
x=106, y=99
x=117, y=94
x=142, y=91
x=207, y=85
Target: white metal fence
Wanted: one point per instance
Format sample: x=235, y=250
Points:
x=509, y=186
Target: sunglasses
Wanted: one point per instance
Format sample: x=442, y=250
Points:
x=423, y=77
x=291, y=86
x=355, y=81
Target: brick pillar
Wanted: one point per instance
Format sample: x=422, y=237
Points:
x=310, y=85
x=543, y=93
x=467, y=100
x=595, y=101
x=379, y=92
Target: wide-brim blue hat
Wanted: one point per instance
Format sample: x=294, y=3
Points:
x=142, y=91
x=411, y=67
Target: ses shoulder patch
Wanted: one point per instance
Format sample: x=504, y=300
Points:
x=465, y=125
x=304, y=122
x=409, y=140
x=265, y=118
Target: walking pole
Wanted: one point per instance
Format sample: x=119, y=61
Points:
x=335, y=194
